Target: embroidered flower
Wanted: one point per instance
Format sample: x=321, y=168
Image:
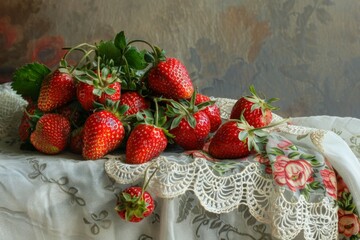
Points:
x=47, y=50
x=264, y=160
x=293, y=173
x=329, y=180
x=348, y=224
x=284, y=144
x=341, y=186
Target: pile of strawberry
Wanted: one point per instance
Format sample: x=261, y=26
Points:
x=138, y=101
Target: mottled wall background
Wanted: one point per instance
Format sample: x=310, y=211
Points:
x=304, y=52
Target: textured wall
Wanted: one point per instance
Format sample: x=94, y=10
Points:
x=304, y=52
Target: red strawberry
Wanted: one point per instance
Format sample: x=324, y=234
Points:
x=145, y=142
x=98, y=89
x=148, y=139
x=51, y=133
x=189, y=137
x=85, y=96
x=57, y=89
x=212, y=111
x=170, y=79
x=134, y=204
x=74, y=113
x=26, y=124
x=103, y=132
x=257, y=111
x=76, y=140
x=114, y=96
x=135, y=101
x=236, y=139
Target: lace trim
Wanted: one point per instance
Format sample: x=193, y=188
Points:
x=222, y=194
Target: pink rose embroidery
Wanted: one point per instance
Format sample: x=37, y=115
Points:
x=285, y=144
x=265, y=161
x=348, y=224
x=293, y=173
x=329, y=180
x=341, y=186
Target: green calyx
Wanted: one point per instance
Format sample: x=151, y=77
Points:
x=259, y=102
x=135, y=205
x=256, y=138
x=177, y=110
x=156, y=118
x=132, y=205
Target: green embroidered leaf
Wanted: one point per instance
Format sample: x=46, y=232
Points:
x=316, y=185
x=307, y=156
x=293, y=155
x=276, y=151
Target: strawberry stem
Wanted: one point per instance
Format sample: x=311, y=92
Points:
x=156, y=116
x=146, y=183
x=85, y=56
x=78, y=47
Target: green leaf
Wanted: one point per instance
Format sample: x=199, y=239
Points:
x=135, y=58
x=27, y=80
x=149, y=58
x=120, y=41
x=108, y=51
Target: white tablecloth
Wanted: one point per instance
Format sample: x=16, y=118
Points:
x=64, y=197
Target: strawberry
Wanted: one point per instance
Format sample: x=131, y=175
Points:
x=170, y=79
x=189, y=125
x=189, y=137
x=57, y=89
x=257, y=111
x=135, y=101
x=51, y=133
x=97, y=88
x=103, y=132
x=85, y=96
x=28, y=121
x=147, y=140
x=134, y=204
x=76, y=140
x=236, y=139
x=212, y=111
x=74, y=112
